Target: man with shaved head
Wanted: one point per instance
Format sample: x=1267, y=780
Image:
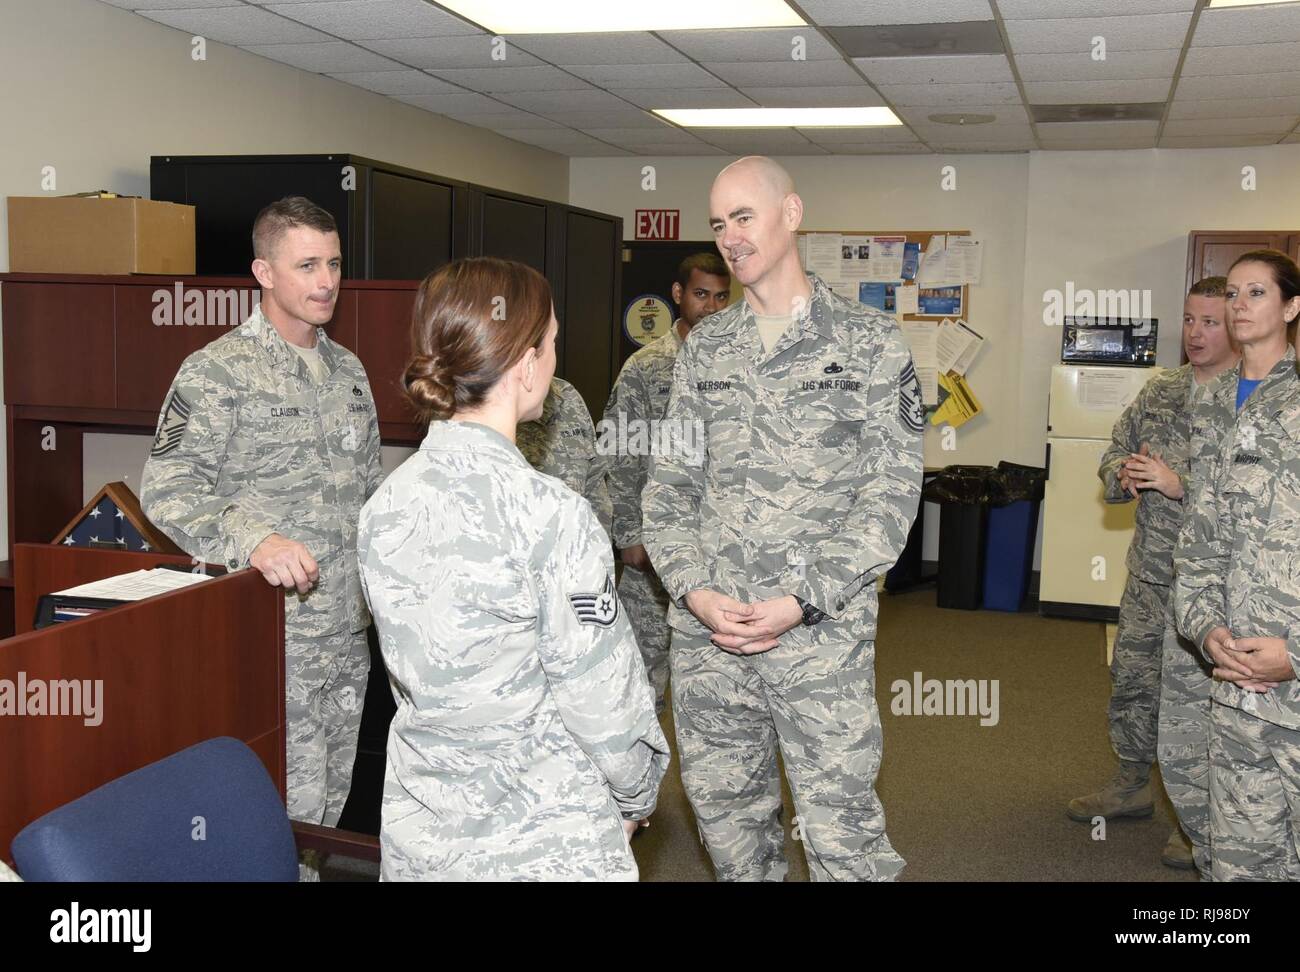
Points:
x=769, y=536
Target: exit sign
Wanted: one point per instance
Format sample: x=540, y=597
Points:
x=657, y=224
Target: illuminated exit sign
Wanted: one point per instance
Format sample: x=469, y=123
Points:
x=657, y=224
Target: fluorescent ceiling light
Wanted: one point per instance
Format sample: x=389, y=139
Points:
x=1246, y=3
x=780, y=117
x=591, y=16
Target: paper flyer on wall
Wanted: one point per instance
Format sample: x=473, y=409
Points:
x=881, y=296
x=885, y=262
x=957, y=344
x=921, y=339
x=965, y=259
x=823, y=255
x=907, y=300
x=940, y=301
x=959, y=405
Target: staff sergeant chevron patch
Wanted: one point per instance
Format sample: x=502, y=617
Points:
x=600, y=609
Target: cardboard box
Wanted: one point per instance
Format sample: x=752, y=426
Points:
x=62, y=234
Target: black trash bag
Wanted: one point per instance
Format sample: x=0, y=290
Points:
x=966, y=485
x=1013, y=483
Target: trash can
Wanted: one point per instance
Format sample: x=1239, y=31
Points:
x=962, y=495
x=1015, y=492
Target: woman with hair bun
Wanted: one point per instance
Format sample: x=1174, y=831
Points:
x=1237, y=584
x=525, y=744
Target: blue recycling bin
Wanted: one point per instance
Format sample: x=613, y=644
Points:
x=1015, y=494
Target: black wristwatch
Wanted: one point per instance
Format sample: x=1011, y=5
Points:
x=811, y=615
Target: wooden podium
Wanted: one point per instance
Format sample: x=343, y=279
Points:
x=175, y=670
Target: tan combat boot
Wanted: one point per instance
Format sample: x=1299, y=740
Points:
x=1178, y=852
x=1128, y=794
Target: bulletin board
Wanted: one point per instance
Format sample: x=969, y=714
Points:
x=912, y=236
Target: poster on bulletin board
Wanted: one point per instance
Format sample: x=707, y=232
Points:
x=939, y=302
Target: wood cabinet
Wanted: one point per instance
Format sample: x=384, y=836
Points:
x=1210, y=252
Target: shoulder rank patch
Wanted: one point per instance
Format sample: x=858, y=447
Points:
x=910, y=408
x=599, y=609
x=171, y=429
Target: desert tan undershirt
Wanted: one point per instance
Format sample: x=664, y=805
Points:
x=770, y=329
x=316, y=366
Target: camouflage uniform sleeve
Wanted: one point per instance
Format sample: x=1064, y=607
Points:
x=374, y=454
x=1201, y=558
x=178, y=487
x=592, y=663
x=1124, y=439
x=624, y=472
x=890, y=466
x=594, y=487
x=670, y=502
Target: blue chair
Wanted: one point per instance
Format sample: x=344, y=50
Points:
x=207, y=813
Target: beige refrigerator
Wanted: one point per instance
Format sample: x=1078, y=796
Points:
x=1085, y=539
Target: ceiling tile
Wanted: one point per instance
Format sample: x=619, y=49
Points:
x=508, y=120
x=166, y=4
x=1244, y=86
x=1215, y=141
x=765, y=74
x=591, y=99
x=925, y=70
x=628, y=118
x=463, y=103
x=684, y=98
x=1012, y=114
x=834, y=13
x=739, y=138
x=1065, y=9
x=1118, y=66
x=836, y=96
x=1096, y=130
x=1095, y=92
x=1291, y=139
x=878, y=148
x=663, y=135
x=992, y=132
x=970, y=148
x=336, y=56
x=497, y=79
x=237, y=25
x=951, y=95
x=449, y=52
x=1155, y=32
x=1247, y=26
x=567, y=143
x=598, y=48
x=896, y=134
x=919, y=40
x=1234, y=107
x=376, y=19
x=1100, y=144
x=766, y=44
x=1276, y=125
x=1234, y=59
x=397, y=82
x=645, y=75
x=652, y=149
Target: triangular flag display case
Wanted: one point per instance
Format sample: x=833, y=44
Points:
x=113, y=520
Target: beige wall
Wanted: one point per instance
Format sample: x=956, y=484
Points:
x=95, y=91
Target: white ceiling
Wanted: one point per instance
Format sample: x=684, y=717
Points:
x=1216, y=77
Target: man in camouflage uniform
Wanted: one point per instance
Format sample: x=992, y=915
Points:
x=1237, y=597
x=770, y=546
x=562, y=443
x=1148, y=461
x=267, y=446
x=524, y=727
x=637, y=406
